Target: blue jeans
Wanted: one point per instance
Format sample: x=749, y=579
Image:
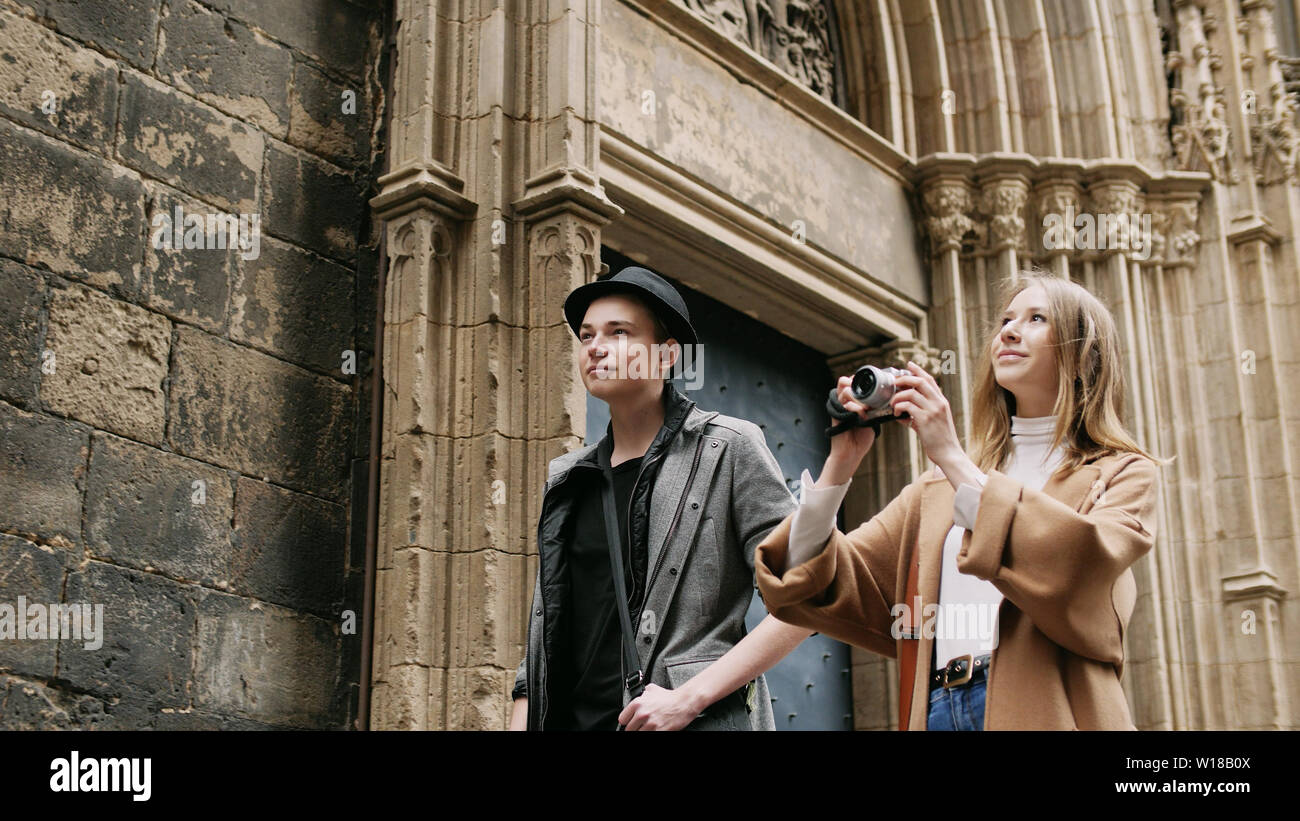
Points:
x=957, y=708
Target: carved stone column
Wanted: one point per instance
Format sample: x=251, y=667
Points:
x=1251, y=589
x=1161, y=656
x=1265, y=252
x=1234, y=118
x=949, y=203
x=492, y=209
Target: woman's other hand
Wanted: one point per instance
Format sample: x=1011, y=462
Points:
x=922, y=399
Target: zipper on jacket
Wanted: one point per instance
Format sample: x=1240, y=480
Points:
x=672, y=528
x=631, y=498
x=541, y=676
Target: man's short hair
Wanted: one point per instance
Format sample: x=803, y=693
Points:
x=660, y=329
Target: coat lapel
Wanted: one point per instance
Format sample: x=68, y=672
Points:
x=936, y=520
x=668, y=491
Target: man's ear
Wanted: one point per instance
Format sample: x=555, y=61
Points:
x=670, y=352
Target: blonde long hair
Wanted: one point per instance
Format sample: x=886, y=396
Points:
x=1090, y=381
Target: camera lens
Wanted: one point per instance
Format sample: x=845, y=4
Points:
x=864, y=383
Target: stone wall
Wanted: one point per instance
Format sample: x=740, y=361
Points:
x=183, y=431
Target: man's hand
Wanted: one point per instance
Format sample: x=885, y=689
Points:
x=659, y=709
x=519, y=717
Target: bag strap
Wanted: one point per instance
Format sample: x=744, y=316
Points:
x=911, y=642
x=634, y=681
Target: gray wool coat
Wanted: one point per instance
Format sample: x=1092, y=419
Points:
x=695, y=606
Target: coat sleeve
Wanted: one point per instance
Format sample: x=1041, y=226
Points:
x=1061, y=567
x=847, y=591
x=521, y=673
x=759, y=496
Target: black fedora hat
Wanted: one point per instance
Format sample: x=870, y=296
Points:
x=662, y=298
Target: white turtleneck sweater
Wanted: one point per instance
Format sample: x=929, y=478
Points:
x=959, y=629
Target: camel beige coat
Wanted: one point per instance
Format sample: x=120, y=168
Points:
x=1061, y=557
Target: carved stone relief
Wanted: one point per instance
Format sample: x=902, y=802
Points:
x=795, y=35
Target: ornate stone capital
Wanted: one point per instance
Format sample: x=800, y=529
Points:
x=1174, y=239
x=1058, y=202
x=948, y=205
x=1117, y=208
x=1002, y=202
x=1116, y=197
x=898, y=353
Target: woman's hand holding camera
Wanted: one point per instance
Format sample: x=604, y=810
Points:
x=923, y=401
x=848, y=448
x=920, y=398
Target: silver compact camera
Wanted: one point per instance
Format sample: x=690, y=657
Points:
x=874, y=388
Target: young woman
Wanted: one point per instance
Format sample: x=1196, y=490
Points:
x=1020, y=552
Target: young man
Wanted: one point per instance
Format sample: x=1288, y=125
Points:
x=695, y=492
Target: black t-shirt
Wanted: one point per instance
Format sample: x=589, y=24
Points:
x=593, y=665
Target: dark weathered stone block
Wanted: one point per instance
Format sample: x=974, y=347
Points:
x=226, y=65
x=312, y=203
x=69, y=211
x=288, y=548
x=52, y=85
x=296, y=305
x=241, y=409
x=329, y=118
x=265, y=662
x=36, y=574
x=148, y=638
x=190, y=284
x=42, y=460
x=22, y=292
x=333, y=31
x=127, y=28
x=200, y=151
x=149, y=509
x=31, y=705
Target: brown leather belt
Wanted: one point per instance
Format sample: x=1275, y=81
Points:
x=961, y=670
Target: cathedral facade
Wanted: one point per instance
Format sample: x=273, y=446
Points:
x=858, y=176
x=283, y=359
